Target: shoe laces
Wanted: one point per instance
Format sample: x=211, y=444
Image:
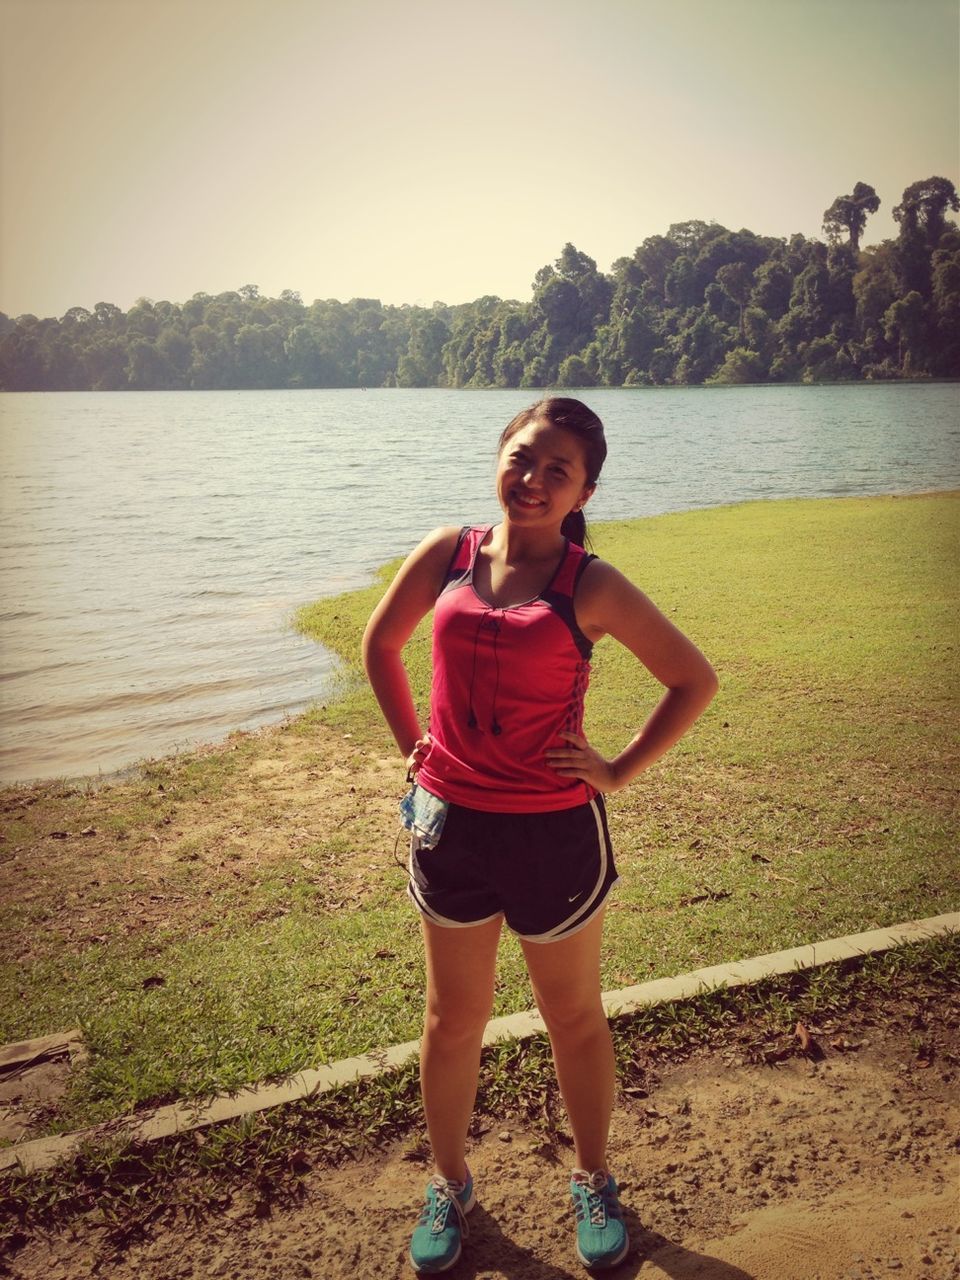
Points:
x=446, y=1194
x=595, y=1186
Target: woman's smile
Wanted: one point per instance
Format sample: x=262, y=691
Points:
x=526, y=499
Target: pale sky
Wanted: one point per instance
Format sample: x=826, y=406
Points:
x=422, y=150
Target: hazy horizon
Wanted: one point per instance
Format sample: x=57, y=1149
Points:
x=420, y=153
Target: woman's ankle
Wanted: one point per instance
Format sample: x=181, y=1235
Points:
x=448, y=1171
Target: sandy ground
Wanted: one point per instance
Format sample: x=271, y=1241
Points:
x=840, y=1169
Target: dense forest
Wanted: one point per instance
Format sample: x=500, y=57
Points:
x=701, y=304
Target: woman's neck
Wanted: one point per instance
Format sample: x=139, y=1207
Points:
x=516, y=545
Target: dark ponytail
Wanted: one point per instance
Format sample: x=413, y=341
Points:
x=575, y=417
x=574, y=527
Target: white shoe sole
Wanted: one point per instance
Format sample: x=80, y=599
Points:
x=607, y=1263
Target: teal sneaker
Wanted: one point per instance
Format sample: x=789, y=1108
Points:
x=602, y=1239
x=438, y=1236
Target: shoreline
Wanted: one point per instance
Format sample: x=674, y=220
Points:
x=98, y=781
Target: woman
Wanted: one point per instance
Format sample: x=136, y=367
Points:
x=507, y=810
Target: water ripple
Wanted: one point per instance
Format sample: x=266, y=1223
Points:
x=149, y=596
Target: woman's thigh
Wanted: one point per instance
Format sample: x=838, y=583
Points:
x=461, y=968
x=565, y=974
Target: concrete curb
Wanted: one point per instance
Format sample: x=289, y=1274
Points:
x=165, y=1122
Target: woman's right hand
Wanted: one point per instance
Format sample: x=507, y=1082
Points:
x=421, y=749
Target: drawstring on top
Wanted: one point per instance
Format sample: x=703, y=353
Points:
x=494, y=726
x=471, y=714
x=486, y=620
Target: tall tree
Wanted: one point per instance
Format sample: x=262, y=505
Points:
x=946, y=302
x=680, y=289
x=921, y=214
x=703, y=349
x=654, y=258
x=691, y=235
x=923, y=208
x=773, y=286
x=736, y=280
x=906, y=324
x=849, y=213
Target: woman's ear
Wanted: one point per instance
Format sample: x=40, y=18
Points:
x=585, y=497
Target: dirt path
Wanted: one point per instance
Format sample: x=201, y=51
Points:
x=843, y=1169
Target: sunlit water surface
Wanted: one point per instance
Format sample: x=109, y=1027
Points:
x=155, y=545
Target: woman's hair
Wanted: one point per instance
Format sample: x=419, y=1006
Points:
x=575, y=417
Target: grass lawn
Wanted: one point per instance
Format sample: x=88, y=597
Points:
x=238, y=913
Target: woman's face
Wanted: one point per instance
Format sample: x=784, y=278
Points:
x=541, y=475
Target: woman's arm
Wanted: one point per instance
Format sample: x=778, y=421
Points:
x=609, y=604
x=409, y=598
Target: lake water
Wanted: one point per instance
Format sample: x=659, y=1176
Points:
x=155, y=545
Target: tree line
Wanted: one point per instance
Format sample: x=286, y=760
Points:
x=701, y=304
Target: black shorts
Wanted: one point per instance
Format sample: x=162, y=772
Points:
x=548, y=874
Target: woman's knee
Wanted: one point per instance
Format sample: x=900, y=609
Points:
x=573, y=1014
x=456, y=1020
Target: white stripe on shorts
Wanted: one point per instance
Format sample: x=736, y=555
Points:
x=432, y=915
x=553, y=934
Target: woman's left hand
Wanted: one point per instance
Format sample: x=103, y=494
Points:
x=579, y=760
x=421, y=749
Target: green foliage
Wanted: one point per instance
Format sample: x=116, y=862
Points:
x=849, y=213
x=741, y=365
x=574, y=373
x=701, y=304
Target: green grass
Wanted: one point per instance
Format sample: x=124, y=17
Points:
x=816, y=797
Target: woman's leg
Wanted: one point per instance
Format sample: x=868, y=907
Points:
x=461, y=968
x=566, y=983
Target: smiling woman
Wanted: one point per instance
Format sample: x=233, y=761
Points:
x=539, y=461
x=507, y=809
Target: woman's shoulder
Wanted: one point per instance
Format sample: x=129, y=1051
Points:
x=447, y=532
x=449, y=538
x=597, y=572
x=599, y=580
x=443, y=536
x=443, y=549
x=433, y=552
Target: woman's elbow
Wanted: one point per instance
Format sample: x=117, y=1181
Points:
x=699, y=684
x=708, y=683
x=369, y=651
x=376, y=649
x=369, y=645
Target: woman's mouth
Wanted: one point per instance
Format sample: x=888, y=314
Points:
x=524, y=500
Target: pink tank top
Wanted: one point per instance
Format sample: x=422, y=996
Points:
x=506, y=681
